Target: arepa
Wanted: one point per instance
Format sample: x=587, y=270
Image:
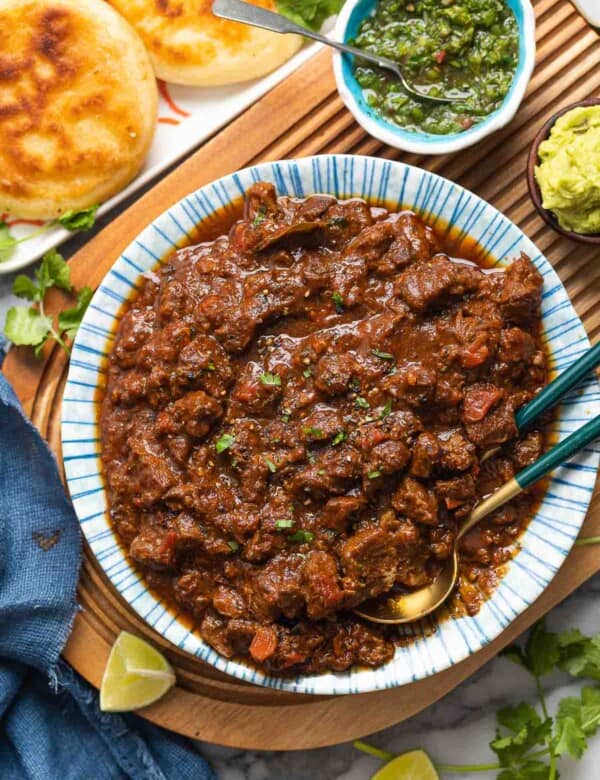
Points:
x=78, y=103
x=189, y=45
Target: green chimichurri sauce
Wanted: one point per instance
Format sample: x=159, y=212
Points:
x=446, y=47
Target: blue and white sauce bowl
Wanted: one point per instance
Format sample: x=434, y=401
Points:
x=435, y=645
x=356, y=11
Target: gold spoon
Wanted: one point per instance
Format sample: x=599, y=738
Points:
x=407, y=607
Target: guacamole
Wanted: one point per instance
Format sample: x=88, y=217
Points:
x=463, y=48
x=569, y=172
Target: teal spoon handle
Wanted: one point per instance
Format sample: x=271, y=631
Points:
x=560, y=453
x=553, y=392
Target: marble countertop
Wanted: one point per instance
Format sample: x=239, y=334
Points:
x=456, y=729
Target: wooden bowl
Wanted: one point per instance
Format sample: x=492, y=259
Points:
x=534, y=190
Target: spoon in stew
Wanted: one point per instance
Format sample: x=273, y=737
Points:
x=407, y=607
x=238, y=11
x=404, y=608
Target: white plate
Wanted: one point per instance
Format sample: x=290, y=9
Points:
x=550, y=534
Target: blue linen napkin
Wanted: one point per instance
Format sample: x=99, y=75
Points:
x=50, y=723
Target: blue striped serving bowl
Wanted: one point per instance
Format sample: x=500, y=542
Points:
x=435, y=645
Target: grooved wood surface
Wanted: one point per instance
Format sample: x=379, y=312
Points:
x=304, y=116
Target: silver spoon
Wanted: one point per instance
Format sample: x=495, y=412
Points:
x=237, y=11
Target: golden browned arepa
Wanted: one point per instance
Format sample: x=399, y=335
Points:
x=78, y=103
x=189, y=45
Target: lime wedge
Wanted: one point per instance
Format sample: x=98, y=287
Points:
x=415, y=765
x=136, y=675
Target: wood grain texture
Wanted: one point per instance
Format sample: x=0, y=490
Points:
x=303, y=116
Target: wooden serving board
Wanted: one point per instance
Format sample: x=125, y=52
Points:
x=304, y=116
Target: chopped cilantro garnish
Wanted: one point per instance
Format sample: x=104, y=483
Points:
x=383, y=355
x=338, y=302
x=315, y=433
x=233, y=546
x=374, y=474
x=260, y=216
x=363, y=403
x=387, y=409
x=339, y=438
x=224, y=442
x=301, y=537
x=270, y=464
x=284, y=524
x=269, y=379
x=211, y=366
x=286, y=417
x=306, y=373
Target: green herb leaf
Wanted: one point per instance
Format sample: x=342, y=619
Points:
x=340, y=222
x=580, y=655
x=69, y=320
x=569, y=738
x=309, y=13
x=301, y=537
x=339, y=438
x=584, y=712
x=26, y=326
x=53, y=272
x=260, y=216
x=307, y=373
x=527, y=730
x=383, y=355
x=233, y=546
x=7, y=242
x=24, y=287
x=338, y=302
x=286, y=417
x=284, y=524
x=529, y=770
x=224, y=442
x=386, y=411
x=272, y=466
x=314, y=433
x=84, y=219
x=374, y=474
x=362, y=402
x=542, y=651
x=270, y=379
x=211, y=366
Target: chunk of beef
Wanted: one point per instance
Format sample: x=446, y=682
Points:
x=369, y=559
x=414, y=383
x=332, y=473
x=457, y=452
x=433, y=283
x=338, y=510
x=526, y=451
x=520, y=295
x=415, y=501
x=214, y=631
x=333, y=374
x=154, y=547
x=322, y=590
x=425, y=456
x=388, y=457
x=195, y=414
x=479, y=400
x=456, y=491
x=495, y=428
x=278, y=587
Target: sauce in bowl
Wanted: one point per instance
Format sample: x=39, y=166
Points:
x=464, y=48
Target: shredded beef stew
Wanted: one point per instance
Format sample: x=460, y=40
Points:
x=295, y=419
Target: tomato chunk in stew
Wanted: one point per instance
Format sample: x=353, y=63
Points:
x=295, y=419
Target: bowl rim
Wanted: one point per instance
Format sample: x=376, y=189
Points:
x=422, y=143
x=532, y=185
x=543, y=546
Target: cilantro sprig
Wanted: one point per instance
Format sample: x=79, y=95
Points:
x=309, y=13
x=72, y=220
x=31, y=325
x=529, y=741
